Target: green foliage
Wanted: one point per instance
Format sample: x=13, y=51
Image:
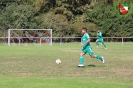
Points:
x=65, y=16
x=109, y=22
x=37, y=22
x=57, y=22
x=16, y=16
x=39, y=5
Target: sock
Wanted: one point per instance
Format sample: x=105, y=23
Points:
x=81, y=60
x=98, y=57
x=97, y=44
x=104, y=45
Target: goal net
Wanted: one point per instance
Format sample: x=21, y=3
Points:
x=29, y=36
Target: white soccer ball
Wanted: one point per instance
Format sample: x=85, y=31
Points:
x=58, y=61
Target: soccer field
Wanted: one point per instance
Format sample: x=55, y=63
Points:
x=34, y=67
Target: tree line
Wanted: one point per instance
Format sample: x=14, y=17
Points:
x=66, y=17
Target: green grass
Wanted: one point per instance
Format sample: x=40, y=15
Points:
x=34, y=67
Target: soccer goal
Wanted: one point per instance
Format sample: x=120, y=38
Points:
x=29, y=36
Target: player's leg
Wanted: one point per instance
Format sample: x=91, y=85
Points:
x=81, y=58
x=91, y=53
x=97, y=43
x=98, y=57
x=103, y=44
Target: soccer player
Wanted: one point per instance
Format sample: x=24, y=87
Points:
x=100, y=39
x=87, y=48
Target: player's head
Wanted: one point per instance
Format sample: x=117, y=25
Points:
x=84, y=30
x=98, y=30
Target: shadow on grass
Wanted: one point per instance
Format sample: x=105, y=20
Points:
x=91, y=65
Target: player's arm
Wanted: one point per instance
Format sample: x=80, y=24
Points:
x=88, y=41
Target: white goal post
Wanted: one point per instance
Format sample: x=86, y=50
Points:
x=47, y=37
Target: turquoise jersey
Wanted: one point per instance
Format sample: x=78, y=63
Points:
x=99, y=35
x=85, y=37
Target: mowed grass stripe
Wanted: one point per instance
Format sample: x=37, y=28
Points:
x=62, y=82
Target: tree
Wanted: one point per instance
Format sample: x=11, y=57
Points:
x=109, y=22
x=58, y=23
x=16, y=16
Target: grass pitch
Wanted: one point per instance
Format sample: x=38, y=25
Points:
x=34, y=67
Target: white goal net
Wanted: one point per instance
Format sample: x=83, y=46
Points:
x=29, y=36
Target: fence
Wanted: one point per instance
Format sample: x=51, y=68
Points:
x=61, y=40
x=93, y=39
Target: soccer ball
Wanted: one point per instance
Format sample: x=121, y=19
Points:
x=58, y=61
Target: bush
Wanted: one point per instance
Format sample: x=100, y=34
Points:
x=58, y=23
